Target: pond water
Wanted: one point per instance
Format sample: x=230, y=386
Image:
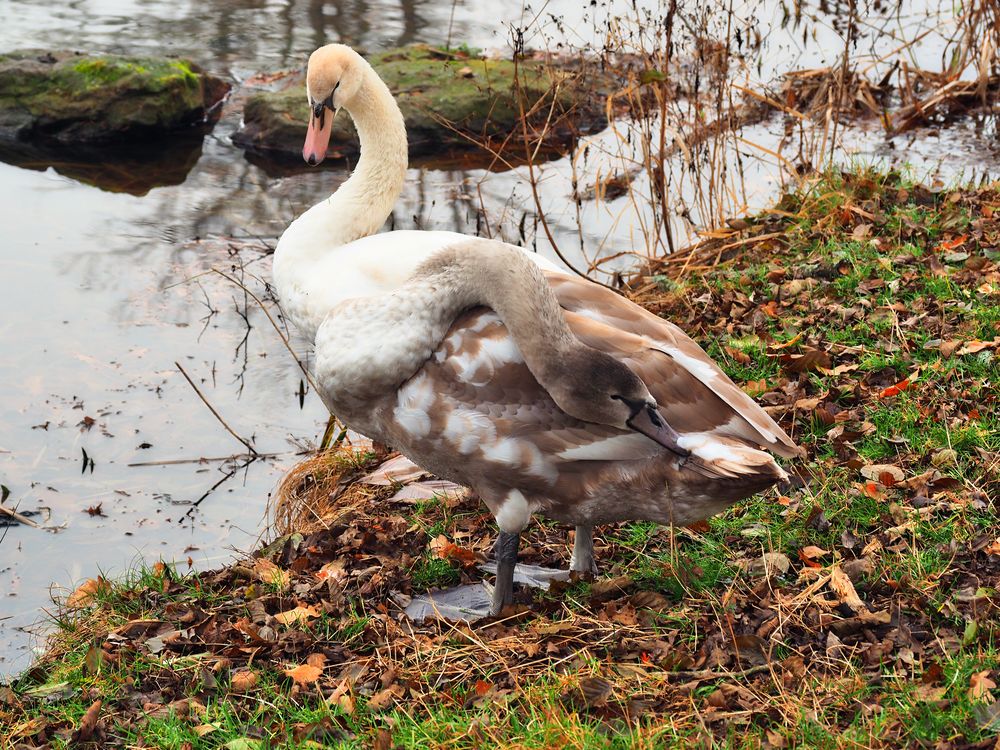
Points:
x=103, y=292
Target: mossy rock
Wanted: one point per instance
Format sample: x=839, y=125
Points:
x=448, y=103
x=82, y=98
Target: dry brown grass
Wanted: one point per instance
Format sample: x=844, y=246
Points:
x=319, y=490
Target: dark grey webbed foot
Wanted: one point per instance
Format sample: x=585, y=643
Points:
x=506, y=554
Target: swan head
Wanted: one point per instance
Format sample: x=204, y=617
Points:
x=333, y=78
x=596, y=387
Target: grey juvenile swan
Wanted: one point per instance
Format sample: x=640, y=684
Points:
x=486, y=365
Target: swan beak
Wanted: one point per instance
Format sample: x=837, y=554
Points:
x=650, y=422
x=318, y=135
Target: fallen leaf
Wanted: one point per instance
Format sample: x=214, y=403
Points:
x=243, y=743
x=885, y=474
x=92, y=661
x=267, y=572
x=895, y=390
x=812, y=551
x=482, y=687
x=299, y=614
x=447, y=550
x=341, y=696
x=841, y=583
x=305, y=674
x=980, y=686
x=88, y=723
x=243, y=681
x=87, y=591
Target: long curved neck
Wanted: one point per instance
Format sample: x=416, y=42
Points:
x=505, y=279
x=370, y=346
x=362, y=204
x=358, y=208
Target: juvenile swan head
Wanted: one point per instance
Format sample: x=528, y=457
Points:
x=596, y=387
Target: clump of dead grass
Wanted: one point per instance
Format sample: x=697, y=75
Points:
x=320, y=489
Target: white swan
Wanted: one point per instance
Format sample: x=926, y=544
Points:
x=487, y=366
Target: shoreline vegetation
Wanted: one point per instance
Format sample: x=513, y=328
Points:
x=856, y=608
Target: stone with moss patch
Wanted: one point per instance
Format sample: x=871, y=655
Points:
x=449, y=102
x=72, y=97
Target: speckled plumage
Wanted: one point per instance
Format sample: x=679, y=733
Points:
x=451, y=389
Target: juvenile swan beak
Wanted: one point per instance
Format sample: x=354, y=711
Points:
x=648, y=420
x=318, y=135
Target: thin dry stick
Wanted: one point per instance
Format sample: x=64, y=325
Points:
x=532, y=180
x=218, y=416
x=274, y=323
x=18, y=517
x=332, y=422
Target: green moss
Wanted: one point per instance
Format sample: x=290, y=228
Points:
x=93, y=97
x=100, y=71
x=437, y=95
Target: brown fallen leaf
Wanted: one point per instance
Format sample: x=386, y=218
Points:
x=88, y=723
x=980, y=686
x=841, y=583
x=812, y=551
x=447, y=550
x=243, y=681
x=885, y=474
x=304, y=674
x=267, y=572
x=299, y=614
x=87, y=591
x=342, y=697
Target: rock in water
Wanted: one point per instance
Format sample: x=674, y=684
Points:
x=70, y=97
x=448, y=103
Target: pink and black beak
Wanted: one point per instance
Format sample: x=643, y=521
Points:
x=647, y=419
x=321, y=119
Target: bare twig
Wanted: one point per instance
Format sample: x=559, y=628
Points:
x=216, y=414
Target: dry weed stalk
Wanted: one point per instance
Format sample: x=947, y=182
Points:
x=688, y=85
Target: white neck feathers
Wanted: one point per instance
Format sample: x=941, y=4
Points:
x=357, y=209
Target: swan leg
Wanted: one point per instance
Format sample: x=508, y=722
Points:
x=582, y=560
x=506, y=553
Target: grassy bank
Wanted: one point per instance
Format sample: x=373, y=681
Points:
x=858, y=609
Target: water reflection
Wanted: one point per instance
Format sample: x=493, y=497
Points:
x=134, y=169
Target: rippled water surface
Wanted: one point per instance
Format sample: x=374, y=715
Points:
x=106, y=288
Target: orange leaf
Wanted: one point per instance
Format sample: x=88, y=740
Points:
x=298, y=614
x=980, y=686
x=452, y=551
x=808, y=560
x=699, y=526
x=305, y=674
x=895, y=390
x=267, y=572
x=871, y=489
x=953, y=243
x=770, y=309
x=887, y=478
x=483, y=687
